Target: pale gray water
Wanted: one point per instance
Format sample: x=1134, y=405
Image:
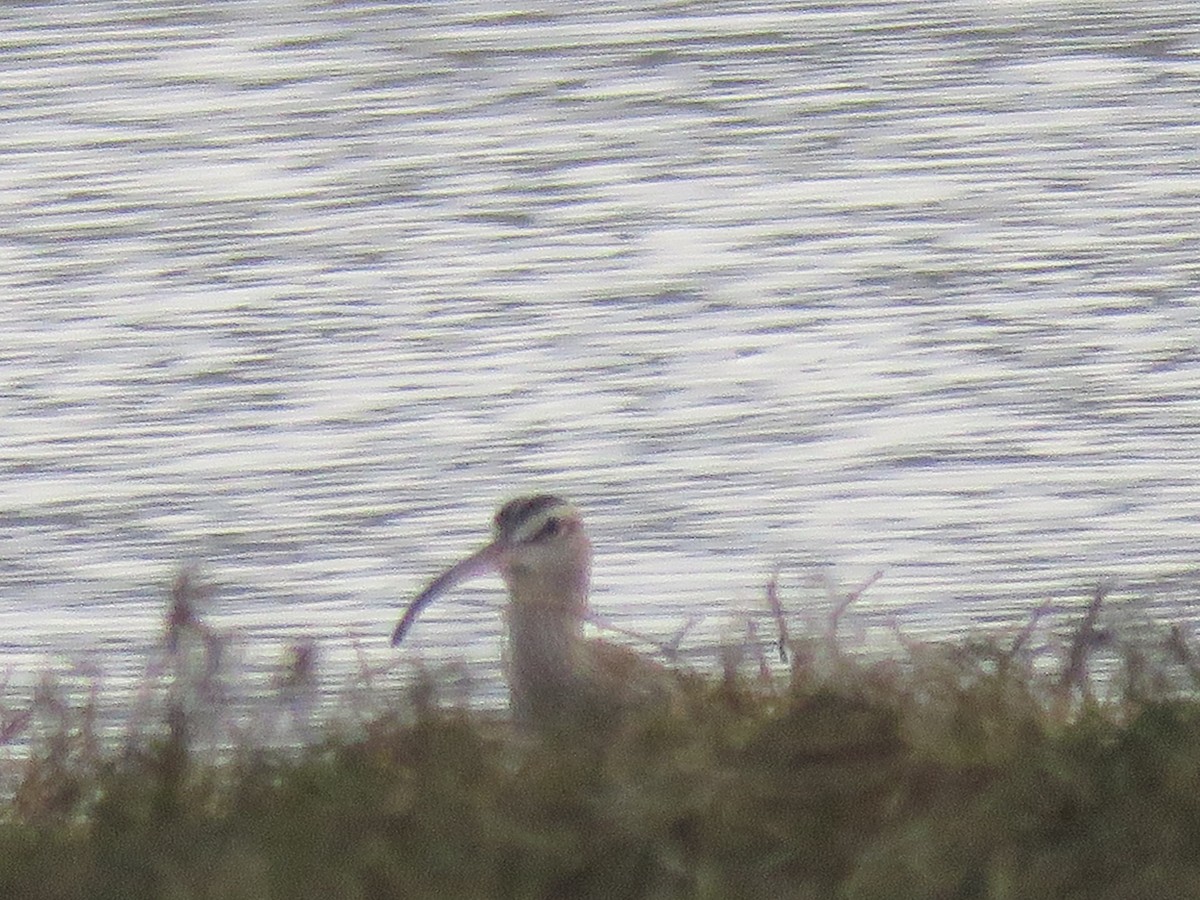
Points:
x=302, y=291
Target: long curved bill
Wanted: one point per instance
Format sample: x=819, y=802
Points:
x=482, y=561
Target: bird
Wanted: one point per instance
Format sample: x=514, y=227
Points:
x=541, y=550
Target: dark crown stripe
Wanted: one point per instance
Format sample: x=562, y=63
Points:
x=514, y=514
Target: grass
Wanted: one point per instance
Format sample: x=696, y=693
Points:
x=961, y=770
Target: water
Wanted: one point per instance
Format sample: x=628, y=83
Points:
x=302, y=291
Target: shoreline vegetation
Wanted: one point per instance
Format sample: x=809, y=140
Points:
x=957, y=770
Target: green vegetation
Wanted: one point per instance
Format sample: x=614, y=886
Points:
x=959, y=771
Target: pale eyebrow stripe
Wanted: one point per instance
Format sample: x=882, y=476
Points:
x=536, y=522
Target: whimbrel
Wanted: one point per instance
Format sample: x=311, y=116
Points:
x=542, y=552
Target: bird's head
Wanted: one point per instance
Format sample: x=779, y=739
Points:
x=540, y=549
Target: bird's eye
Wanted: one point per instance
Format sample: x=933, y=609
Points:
x=549, y=529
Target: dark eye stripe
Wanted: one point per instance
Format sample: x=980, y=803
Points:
x=552, y=526
x=513, y=514
x=550, y=529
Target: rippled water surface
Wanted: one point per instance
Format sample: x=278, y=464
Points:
x=301, y=291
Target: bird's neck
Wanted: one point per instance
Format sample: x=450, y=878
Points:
x=543, y=649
